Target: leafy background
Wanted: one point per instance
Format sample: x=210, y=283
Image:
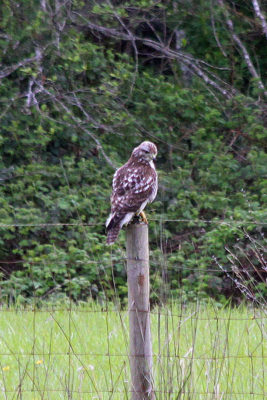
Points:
x=77, y=95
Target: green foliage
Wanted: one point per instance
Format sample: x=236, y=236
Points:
x=84, y=91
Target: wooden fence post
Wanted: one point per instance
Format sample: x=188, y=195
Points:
x=139, y=312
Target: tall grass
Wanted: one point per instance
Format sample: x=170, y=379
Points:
x=200, y=352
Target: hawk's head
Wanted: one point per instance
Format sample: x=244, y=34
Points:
x=146, y=151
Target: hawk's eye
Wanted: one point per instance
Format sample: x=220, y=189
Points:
x=146, y=151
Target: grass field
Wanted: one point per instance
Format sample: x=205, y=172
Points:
x=200, y=352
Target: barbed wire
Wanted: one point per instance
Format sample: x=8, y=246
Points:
x=110, y=391
x=73, y=224
x=102, y=311
x=169, y=356
x=42, y=225
x=105, y=265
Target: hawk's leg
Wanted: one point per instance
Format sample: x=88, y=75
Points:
x=143, y=217
x=139, y=218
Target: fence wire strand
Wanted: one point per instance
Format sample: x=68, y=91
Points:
x=93, y=339
x=74, y=224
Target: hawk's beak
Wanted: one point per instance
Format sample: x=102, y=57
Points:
x=152, y=156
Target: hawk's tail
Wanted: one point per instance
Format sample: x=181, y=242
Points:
x=113, y=234
x=114, y=224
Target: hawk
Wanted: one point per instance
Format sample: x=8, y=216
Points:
x=134, y=185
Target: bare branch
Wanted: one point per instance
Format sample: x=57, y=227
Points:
x=75, y=101
x=215, y=33
x=29, y=93
x=242, y=48
x=134, y=47
x=260, y=16
x=43, y=5
x=182, y=57
x=8, y=70
x=78, y=123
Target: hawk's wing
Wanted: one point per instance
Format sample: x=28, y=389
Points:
x=131, y=188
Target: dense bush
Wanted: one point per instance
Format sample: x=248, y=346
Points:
x=76, y=98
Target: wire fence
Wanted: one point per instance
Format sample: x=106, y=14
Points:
x=197, y=220
x=80, y=350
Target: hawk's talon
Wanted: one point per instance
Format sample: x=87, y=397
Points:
x=143, y=217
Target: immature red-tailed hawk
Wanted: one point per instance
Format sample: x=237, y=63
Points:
x=134, y=185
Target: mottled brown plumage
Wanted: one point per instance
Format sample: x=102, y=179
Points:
x=134, y=185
